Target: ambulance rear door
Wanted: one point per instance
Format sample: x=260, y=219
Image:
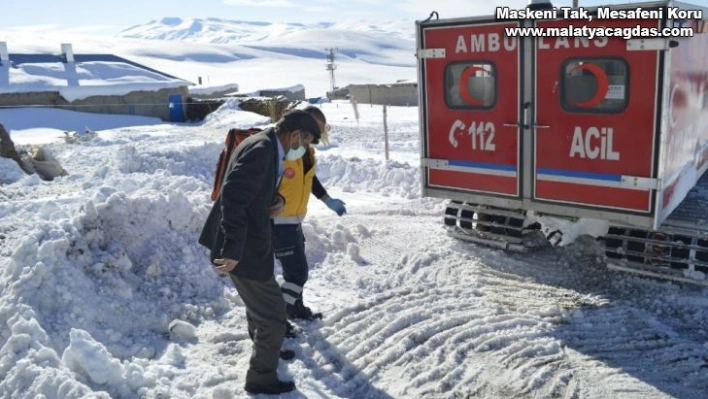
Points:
x=470, y=73
x=594, y=131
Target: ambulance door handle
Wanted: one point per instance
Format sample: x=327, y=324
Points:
x=535, y=126
x=527, y=117
x=513, y=125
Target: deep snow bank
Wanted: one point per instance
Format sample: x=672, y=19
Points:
x=10, y=171
x=369, y=175
x=101, y=286
x=230, y=115
x=17, y=120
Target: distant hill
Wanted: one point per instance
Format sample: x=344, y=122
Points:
x=375, y=43
x=254, y=55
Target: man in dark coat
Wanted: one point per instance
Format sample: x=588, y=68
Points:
x=239, y=234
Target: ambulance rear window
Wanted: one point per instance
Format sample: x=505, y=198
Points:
x=470, y=85
x=597, y=85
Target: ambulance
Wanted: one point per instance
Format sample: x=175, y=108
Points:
x=546, y=123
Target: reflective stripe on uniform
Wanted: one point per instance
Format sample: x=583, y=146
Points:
x=289, y=299
x=291, y=287
x=289, y=220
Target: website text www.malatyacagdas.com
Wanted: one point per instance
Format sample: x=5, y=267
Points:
x=593, y=32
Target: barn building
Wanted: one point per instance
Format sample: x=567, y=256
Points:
x=98, y=83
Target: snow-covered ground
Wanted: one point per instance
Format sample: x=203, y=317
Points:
x=104, y=291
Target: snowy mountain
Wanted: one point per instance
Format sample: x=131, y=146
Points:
x=354, y=39
x=211, y=30
x=250, y=54
x=223, y=31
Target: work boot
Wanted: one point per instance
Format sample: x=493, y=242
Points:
x=300, y=311
x=287, y=354
x=275, y=388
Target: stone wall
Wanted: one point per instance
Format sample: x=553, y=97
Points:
x=402, y=94
x=198, y=109
x=298, y=95
x=338, y=94
x=273, y=108
x=145, y=103
x=32, y=98
x=212, y=94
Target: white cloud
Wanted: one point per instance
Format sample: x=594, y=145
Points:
x=63, y=29
x=317, y=9
x=34, y=28
x=93, y=29
x=260, y=3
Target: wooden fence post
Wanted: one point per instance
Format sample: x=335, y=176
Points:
x=385, y=124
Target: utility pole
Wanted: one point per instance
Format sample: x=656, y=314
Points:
x=331, y=66
x=575, y=3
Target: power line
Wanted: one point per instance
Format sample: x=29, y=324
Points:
x=96, y=105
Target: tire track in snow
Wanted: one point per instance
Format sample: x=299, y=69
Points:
x=458, y=320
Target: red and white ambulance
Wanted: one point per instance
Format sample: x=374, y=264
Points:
x=555, y=124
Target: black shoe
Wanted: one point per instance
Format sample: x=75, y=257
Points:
x=303, y=313
x=290, y=330
x=287, y=354
x=271, y=389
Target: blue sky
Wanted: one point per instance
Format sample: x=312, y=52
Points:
x=114, y=15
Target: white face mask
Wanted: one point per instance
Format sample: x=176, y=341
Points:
x=297, y=153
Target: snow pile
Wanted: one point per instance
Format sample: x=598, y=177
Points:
x=22, y=123
x=340, y=241
x=229, y=115
x=108, y=284
x=207, y=90
x=10, y=171
x=562, y=231
x=291, y=89
x=368, y=175
x=103, y=287
x=198, y=161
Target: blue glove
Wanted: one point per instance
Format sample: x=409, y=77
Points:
x=336, y=205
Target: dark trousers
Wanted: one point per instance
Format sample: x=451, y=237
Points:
x=290, y=251
x=265, y=313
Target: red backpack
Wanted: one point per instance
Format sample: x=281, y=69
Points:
x=233, y=138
